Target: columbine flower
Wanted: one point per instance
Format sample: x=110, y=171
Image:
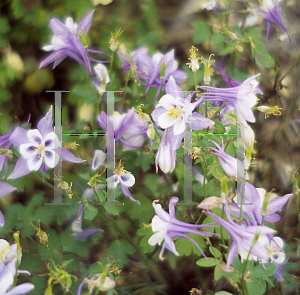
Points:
x=174, y=111
x=242, y=97
x=69, y=40
x=99, y=281
x=124, y=179
x=166, y=155
x=154, y=72
x=77, y=226
x=99, y=159
x=127, y=129
x=271, y=203
x=166, y=227
x=275, y=252
x=246, y=240
x=38, y=148
x=7, y=252
x=7, y=275
x=247, y=136
x=194, y=64
x=271, y=13
x=233, y=167
x=103, y=80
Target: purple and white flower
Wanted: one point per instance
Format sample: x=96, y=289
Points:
x=77, y=226
x=124, y=180
x=166, y=227
x=242, y=97
x=154, y=72
x=98, y=281
x=247, y=241
x=7, y=274
x=102, y=77
x=128, y=129
x=275, y=253
x=67, y=41
x=233, y=167
x=38, y=148
x=174, y=112
x=166, y=154
x=271, y=203
x=271, y=13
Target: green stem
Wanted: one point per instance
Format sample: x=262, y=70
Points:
x=195, y=80
x=111, y=61
x=217, y=111
x=242, y=200
x=88, y=82
x=297, y=207
x=205, y=174
x=205, y=109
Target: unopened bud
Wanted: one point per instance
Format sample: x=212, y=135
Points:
x=210, y=203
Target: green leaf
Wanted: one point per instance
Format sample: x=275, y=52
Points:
x=298, y=249
x=218, y=273
x=207, y=262
x=120, y=249
x=112, y=209
x=206, y=221
x=222, y=292
x=202, y=31
x=258, y=271
x=90, y=212
x=186, y=247
x=254, y=287
x=219, y=126
x=70, y=244
x=215, y=252
x=264, y=58
x=227, y=50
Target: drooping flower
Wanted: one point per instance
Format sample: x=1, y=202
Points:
x=102, y=79
x=128, y=129
x=77, y=226
x=233, y=167
x=246, y=240
x=271, y=203
x=69, y=40
x=98, y=160
x=166, y=227
x=241, y=97
x=259, y=205
x=100, y=282
x=124, y=180
x=154, y=72
x=166, y=154
x=38, y=148
x=271, y=13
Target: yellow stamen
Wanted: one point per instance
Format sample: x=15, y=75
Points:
x=175, y=113
x=40, y=149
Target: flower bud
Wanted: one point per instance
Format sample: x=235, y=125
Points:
x=247, y=136
x=210, y=203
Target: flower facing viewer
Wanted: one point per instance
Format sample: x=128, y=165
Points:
x=38, y=148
